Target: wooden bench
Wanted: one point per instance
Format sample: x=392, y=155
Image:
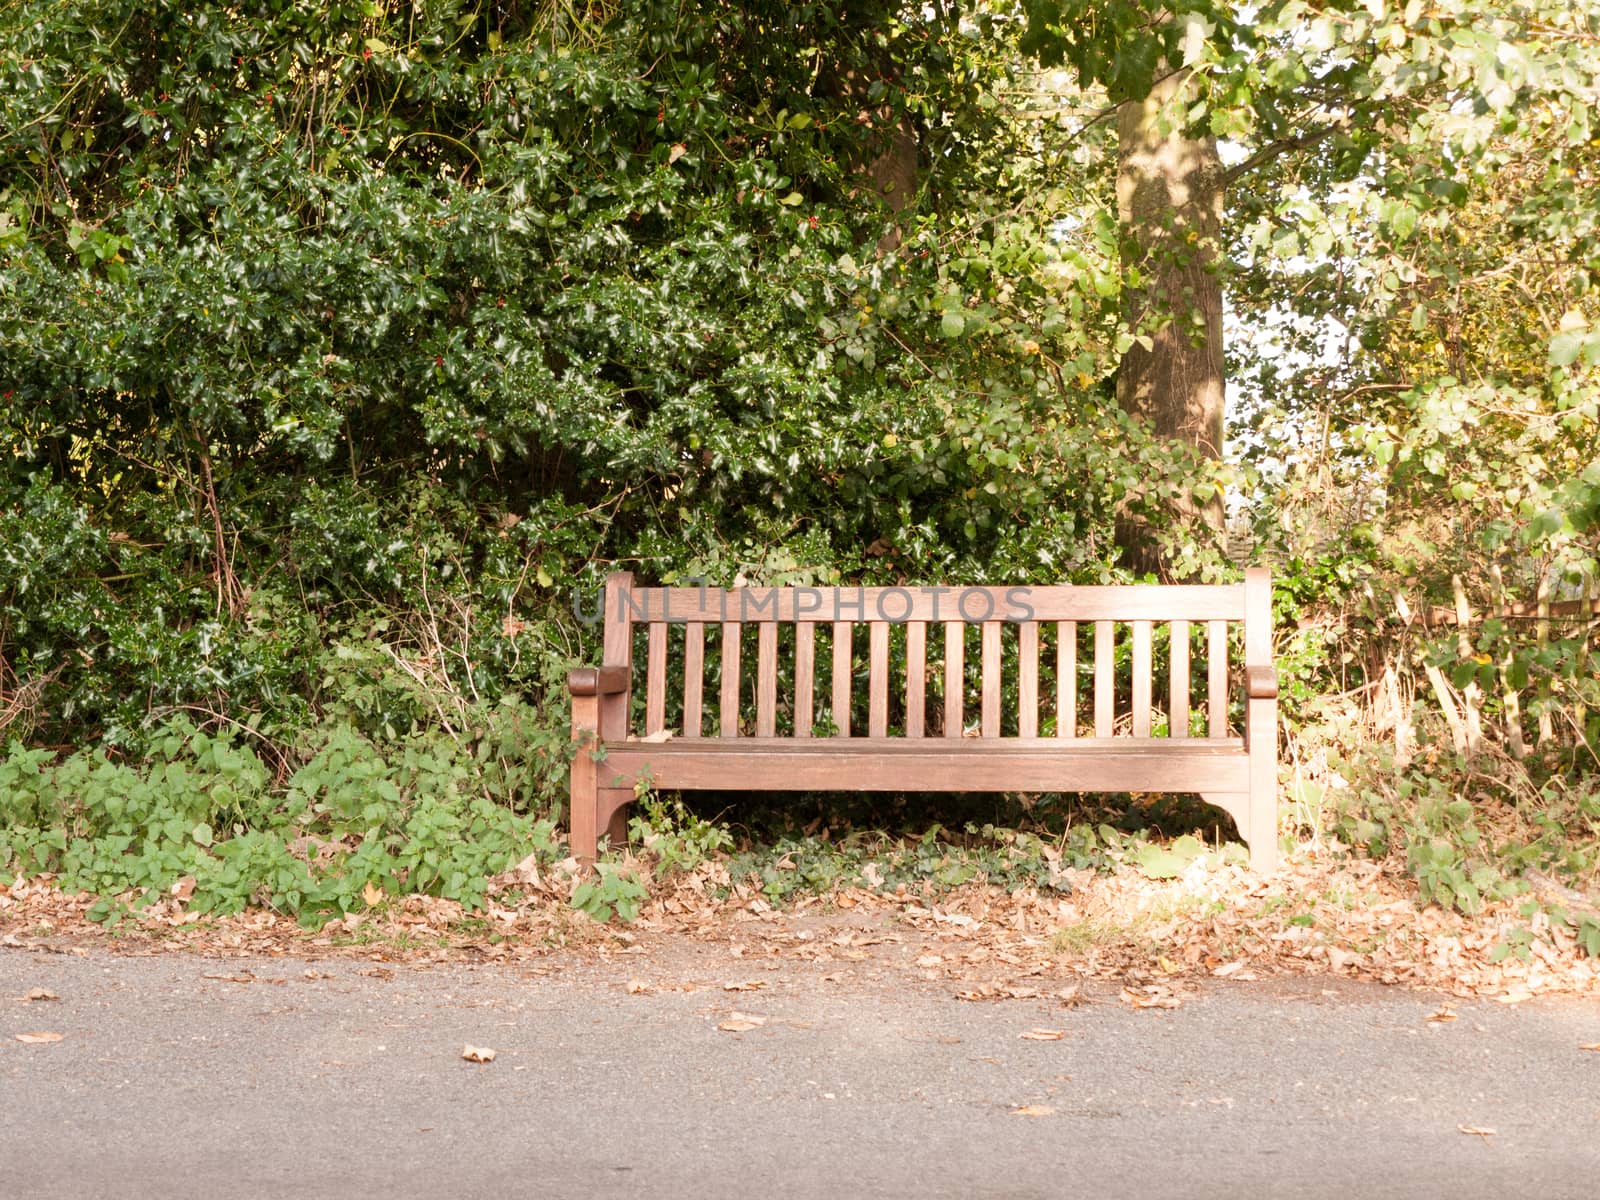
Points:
x=1121, y=731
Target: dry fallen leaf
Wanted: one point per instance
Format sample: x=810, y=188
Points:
x=1043, y=1035
x=741, y=1023
x=678, y=151
x=41, y=994
x=371, y=894
x=1034, y=1110
x=638, y=987
x=477, y=1054
x=1443, y=1014
x=748, y=985
x=39, y=1039
x=1152, y=1000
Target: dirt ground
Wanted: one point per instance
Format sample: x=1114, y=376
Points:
x=1146, y=940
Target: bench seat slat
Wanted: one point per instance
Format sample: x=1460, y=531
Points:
x=894, y=764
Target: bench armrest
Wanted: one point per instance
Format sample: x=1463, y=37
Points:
x=1260, y=683
x=598, y=681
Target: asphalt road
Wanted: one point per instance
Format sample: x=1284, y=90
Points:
x=316, y=1080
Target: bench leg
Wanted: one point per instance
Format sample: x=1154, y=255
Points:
x=1262, y=833
x=583, y=813
x=1257, y=824
x=612, y=812
x=1260, y=827
x=1262, y=739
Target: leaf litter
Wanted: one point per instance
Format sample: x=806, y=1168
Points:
x=1322, y=914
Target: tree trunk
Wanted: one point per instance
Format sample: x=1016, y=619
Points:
x=1169, y=205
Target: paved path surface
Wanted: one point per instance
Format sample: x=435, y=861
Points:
x=318, y=1080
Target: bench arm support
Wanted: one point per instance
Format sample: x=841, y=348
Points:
x=598, y=681
x=1261, y=683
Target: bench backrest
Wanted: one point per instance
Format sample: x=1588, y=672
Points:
x=1106, y=661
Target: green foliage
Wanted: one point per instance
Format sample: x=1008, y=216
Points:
x=369, y=329
x=676, y=838
x=1469, y=829
x=612, y=891
x=411, y=817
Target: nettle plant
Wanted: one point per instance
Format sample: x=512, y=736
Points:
x=354, y=820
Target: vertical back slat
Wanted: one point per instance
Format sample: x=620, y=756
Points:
x=617, y=649
x=841, y=678
x=1142, y=669
x=694, y=676
x=1066, y=679
x=655, y=694
x=916, y=677
x=955, y=674
x=1104, y=680
x=766, y=679
x=1178, y=686
x=1028, y=679
x=991, y=679
x=728, y=714
x=878, y=679
x=805, y=657
x=1217, y=679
